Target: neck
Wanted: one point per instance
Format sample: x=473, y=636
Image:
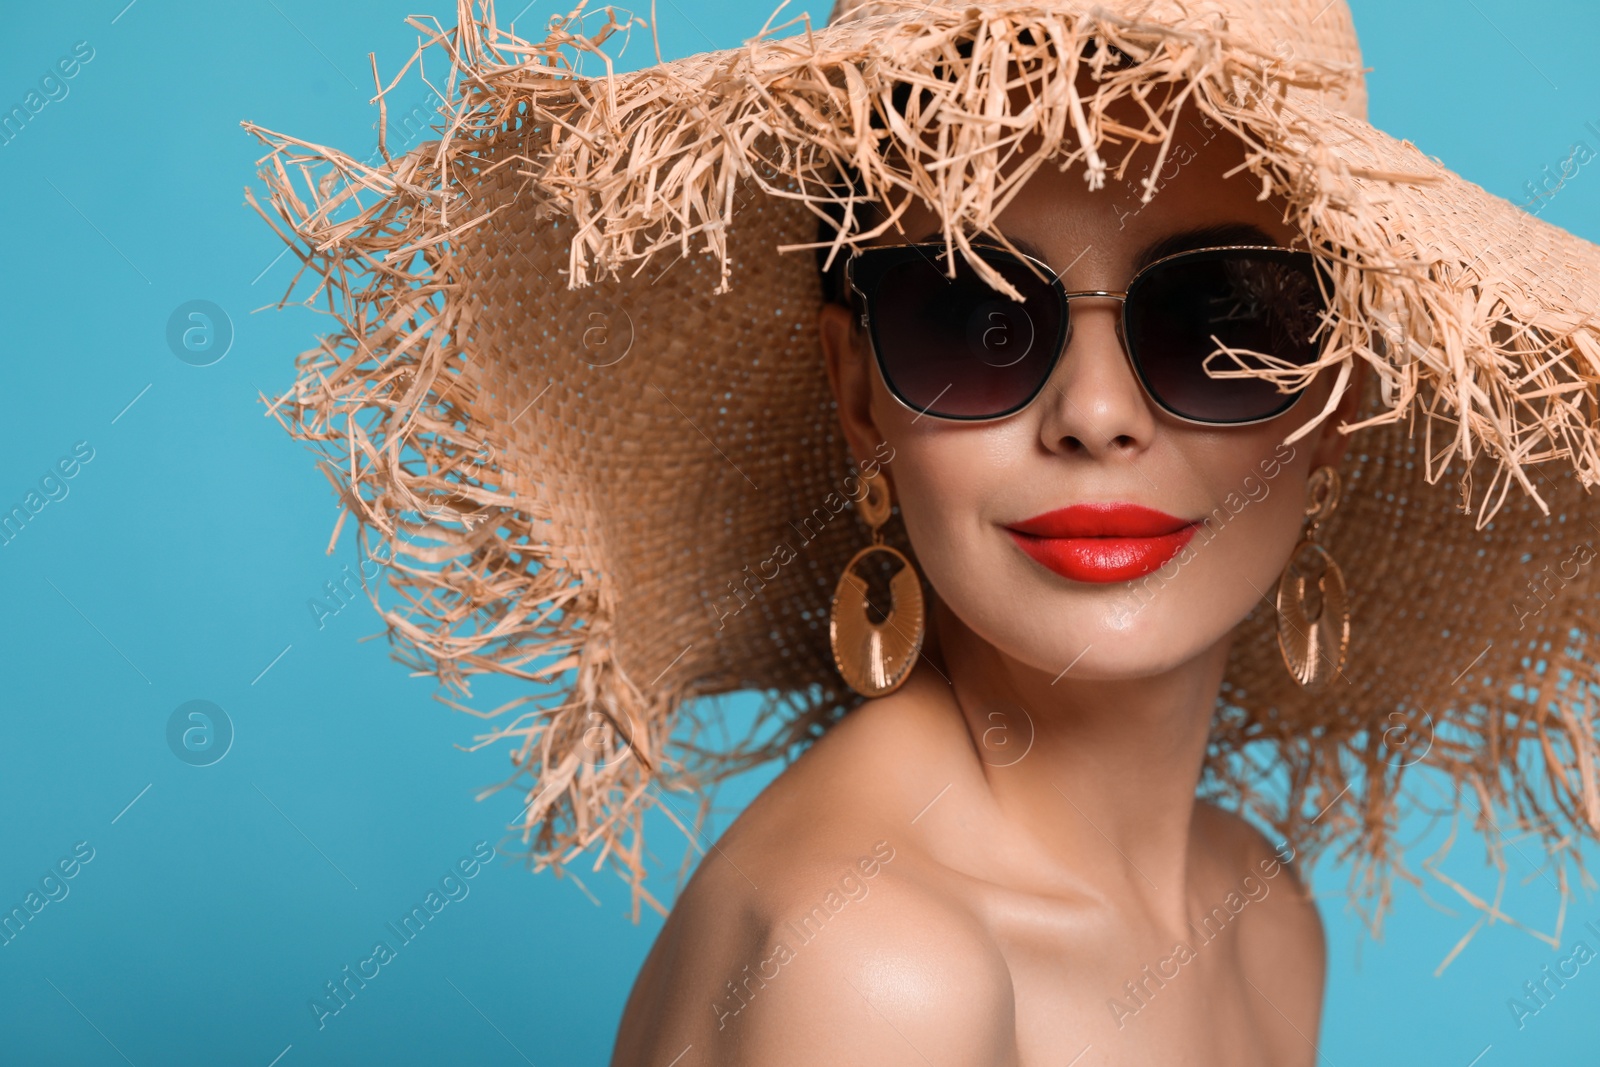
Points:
x=1100, y=772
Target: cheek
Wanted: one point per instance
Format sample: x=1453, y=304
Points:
x=1237, y=561
x=952, y=484
x=945, y=478
x=1255, y=525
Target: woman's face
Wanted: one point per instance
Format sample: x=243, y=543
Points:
x=1094, y=437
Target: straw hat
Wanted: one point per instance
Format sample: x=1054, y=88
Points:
x=576, y=387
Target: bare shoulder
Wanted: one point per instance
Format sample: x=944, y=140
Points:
x=1282, y=912
x=1282, y=946
x=1292, y=913
x=816, y=931
x=870, y=968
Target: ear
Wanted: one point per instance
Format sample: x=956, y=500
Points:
x=1331, y=444
x=851, y=376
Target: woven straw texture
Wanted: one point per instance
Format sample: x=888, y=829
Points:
x=577, y=392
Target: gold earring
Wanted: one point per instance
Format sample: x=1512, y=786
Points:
x=1313, y=608
x=875, y=658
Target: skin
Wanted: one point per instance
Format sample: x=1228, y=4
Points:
x=1044, y=839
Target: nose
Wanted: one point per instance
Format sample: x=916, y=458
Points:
x=1092, y=404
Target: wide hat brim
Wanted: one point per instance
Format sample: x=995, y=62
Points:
x=583, y=401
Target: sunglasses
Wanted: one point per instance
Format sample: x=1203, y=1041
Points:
x=956, y=348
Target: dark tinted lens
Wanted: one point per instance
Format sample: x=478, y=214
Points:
x=1256, y=303
x=958, y=348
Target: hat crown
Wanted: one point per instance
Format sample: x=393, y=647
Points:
x=1314, y=31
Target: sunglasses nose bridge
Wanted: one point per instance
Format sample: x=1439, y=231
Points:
x=1121, y=297
x=1118, y=321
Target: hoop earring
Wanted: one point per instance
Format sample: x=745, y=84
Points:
x=1313, y=606
x=874, y=658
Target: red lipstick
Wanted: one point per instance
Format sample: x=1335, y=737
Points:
x=1103, y=543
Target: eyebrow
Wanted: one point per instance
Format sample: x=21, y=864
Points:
x=1229, y=234
x=1205, y=237
x=1027, y=249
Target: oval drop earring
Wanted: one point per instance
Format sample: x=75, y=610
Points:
x=875, y=658
x=1313, y=607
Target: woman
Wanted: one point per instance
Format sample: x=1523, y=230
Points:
x=1106, y=292
x=1028, y=796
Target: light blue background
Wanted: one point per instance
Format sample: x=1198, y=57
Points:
x=180, y=564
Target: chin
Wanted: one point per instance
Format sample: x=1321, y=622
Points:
x=1104, y=631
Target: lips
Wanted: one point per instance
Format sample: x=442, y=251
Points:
x=1103, y=543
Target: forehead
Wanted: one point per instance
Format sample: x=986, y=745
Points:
x=1102, y=237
